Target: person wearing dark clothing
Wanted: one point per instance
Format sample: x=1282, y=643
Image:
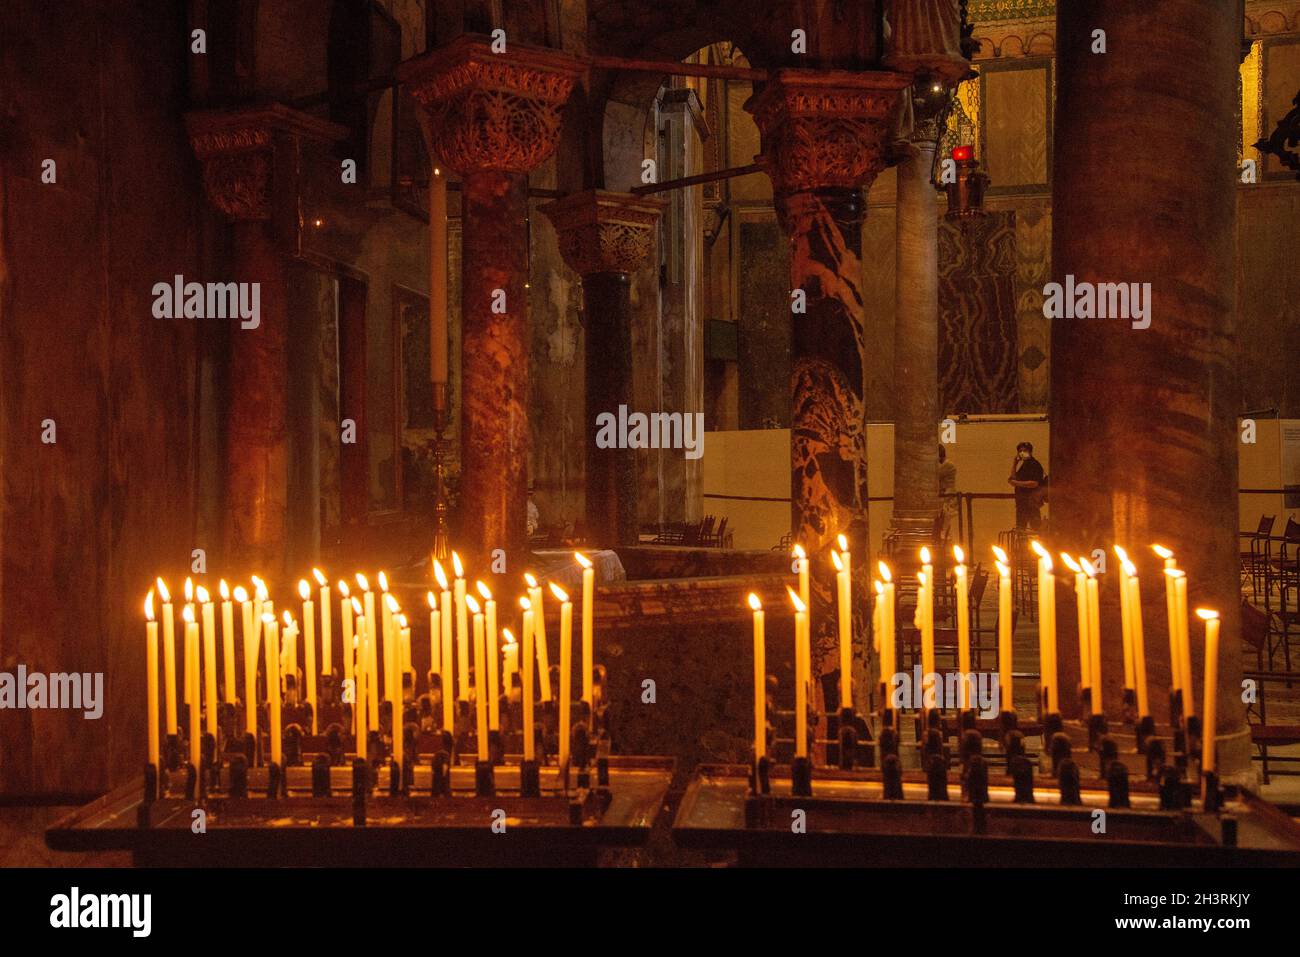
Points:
x=1027, y=479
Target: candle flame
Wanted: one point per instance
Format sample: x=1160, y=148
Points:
x=1162, y=551
x=958, y=554
x=433, y=602
x=1000, y=555
x=255, y=580
x=884, y=572
x=456, y=566
x=795, y=600
x=1004, y=571
x=268, y=619
x=1174, y=572
x=835, y=560
x=189, y=589
x=583, y=560
x=843, y=542
x=1130, y=569
x=262, y=593
x=343, y=588
x=319, y=575
x=1087, y=567
x=524, y=603
x=224, y=589
x=391, y=602
x=798, y=552
x=241, y=594
x=148, y=606
x=288, y=621
x=439, y=574
x=1070, y=563
x=559, y=592
x=483, y=590
x=1039, y=550
x=356, y=604
x=363, y=582
x=383, y=582
x=1122, y=555
x=754, y=603
x=303, y=588
x=530, y=580
x=471, y=604
x=1207, y=614
x=505, y=633
x=163, y=592
x=925, y=555
x=879, y=585
x=204, y=597
x=188, y=614
x=401, y=622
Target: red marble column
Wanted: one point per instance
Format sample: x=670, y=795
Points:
x=493, y=118
x=823, y=136
x=1144, y=440
x=250, y=160
x=603, y=237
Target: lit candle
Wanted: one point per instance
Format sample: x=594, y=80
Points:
x=169, y=656
x=1184, y=644
x=588, y=589
x=1094, y=631
x=193, y=697
x=404, y=645
x=309, y=645
x=925, y=611
x=435, y=631
x=1171, y=615
x=963, y=625
x=1208, y=711
x=566, y=668
x=360, y=652
x=449, y=665
x=250, y=661
x=1005, y=691
x=1139, y=646
x=462, y=630
x=189, y=663
x=349, y=649
x=371, y=650
x=537, y=599
x=209, y=658
x=802, y=666
x=888, y=650
x=389, y=611
x=272, y=631
x=289, y=654
x=845, y=610
x=1046, y=628
x=480, y=686
x=1125, y=617
x=527, y=630
x=400, y=653
x=510, y=660
x=326, y=624
x=1085, y=631
x=227, y=642
x=801, y=568
x=151, y=680
x=760, y=679
x=491, y=651
x=877, y=626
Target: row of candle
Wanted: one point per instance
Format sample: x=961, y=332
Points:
x=495, y=664
x=1087, y=602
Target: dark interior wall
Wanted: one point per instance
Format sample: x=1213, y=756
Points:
x=99, y=88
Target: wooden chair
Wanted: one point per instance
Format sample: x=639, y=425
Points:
x=1264, y=735
x=1286, y=574
x=1255, y=559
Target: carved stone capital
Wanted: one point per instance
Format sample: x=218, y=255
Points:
x=600, y=231
x=825, y=128
x=237, y=149
x=491, y=111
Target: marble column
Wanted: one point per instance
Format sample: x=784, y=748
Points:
x=1143, y=427
x=493, y=118
x=251, y=160
x=604, y=236
x=824, y=140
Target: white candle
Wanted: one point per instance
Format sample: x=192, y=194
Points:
x=1125, y=616
x=289, y=654
x=844, y=608
x=925, y=608
x=888, y=648
x=435, y=645
x=1139, y=646
x=1005, y=690
x=169, y=656
x=802, y=666
x=1184, y=645
x=227, y=642
x=527, y=633
x=272, y=631
x=449, y=665
x=326, y=624
x=404, y=646
x=963, y=625
x=346, y=613
x=371, y=701
x=361, y=653
x=400, y=655
x=1094, y=632
x=1171, y=615
x=588, y=591
x=491, y=652
x=209, y=658
x=760, y=679
x=801, y=569
x=566, y=669
x=189, y=663
x=192, y=654
x=1085, y=631
x=480, y=685
x=151, y=681
x=462, y=630
x=1209, y=711
x=250, y=661
x=538, y=601
x=389, y=611
x=509, y=661
x=309, y=646
x=1046, y=629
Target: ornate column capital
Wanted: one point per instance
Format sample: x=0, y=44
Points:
x=602, y=231
x=491, y=111
x=237, y=148
x=825, y=128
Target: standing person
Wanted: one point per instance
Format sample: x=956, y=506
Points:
x=947, y=492
x=1026, y=478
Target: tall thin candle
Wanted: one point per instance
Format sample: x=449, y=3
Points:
x=1046, y=629
x=448, y=661
x=480, y=685
x=271, y=629
x=802, y=665
x=566, y=669
x=491, y=653
x=537, y=599
x=844, y=608
x=192, y=654
x=963, y=625
x=309, y=646
x=526, y=632
x=760, y=679
x=209, y=659
x=227, y=642
x=1006, y=692
x=151, y=681
x=1209, y=711
x=169, y=656
x=1139, y=645
x=250, y=661
x=588, y=616
x=462, y=630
